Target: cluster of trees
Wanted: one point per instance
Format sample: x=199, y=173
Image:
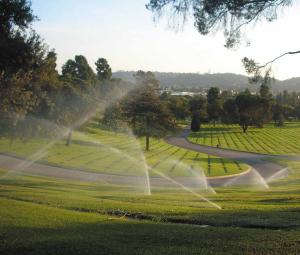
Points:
x=244, y=108
x=32, y=90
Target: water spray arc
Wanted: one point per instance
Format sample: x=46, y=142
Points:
x=187, y=189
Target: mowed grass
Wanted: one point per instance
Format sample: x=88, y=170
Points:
x=268, y=140
x=100, y=150
x=50, y=216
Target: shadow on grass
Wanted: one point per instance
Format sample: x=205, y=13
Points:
x=278, y=200
x=72, y=235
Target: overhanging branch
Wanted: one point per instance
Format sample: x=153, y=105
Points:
x=287, y=53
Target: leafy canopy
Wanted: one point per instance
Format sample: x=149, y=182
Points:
x=230, y=16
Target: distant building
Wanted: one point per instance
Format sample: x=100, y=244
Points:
x=183, y=94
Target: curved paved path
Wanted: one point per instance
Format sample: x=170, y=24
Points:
x=261, y=170
x=265, y=169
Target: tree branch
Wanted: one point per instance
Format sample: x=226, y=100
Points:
x=287, y=53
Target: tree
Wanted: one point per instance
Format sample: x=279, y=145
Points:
x=79, y=68
x=281, y=109
x=113, y=118
x=230, y=16
x=230, y=114
x=214, y=103
x=281, y=121
x=165, y=96
x=145, y=113
x=79, y=95
x=179, y=107
x=201, y=116
x=104, y=72
x=195, y=125
x=264, y=91
x=18, y=48
x=253, y=110
x=226, y=94
x=198, y=102
x=296, y=112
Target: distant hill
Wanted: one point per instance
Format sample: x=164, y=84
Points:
x=221, y=80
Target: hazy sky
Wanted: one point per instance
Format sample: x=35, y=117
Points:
x=123, y=32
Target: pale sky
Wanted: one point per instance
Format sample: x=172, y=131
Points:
x=123, y=32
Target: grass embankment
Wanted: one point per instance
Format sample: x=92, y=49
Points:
x=268, y=140
x=102, y=151
x=50, y=216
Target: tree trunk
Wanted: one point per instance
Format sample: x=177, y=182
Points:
x=214, y=122
x=245, y=128
x=69, y=139
x=147, y=142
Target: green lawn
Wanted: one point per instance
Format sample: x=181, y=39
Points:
x=268, y=140
x=50, y=216
x=102, y=151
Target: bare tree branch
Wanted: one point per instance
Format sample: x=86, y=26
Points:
x=287, y=53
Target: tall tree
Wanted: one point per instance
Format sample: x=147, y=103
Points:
x=147, y=116
x=20, y=47
x=79, y=93
x=103, y=70
x=214, y=103
x=281, y=121
x=195, y=125
x=79, y=68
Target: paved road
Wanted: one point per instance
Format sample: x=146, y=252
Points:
x=264, y=169
x=261, y=170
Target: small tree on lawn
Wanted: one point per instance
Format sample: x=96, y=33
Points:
x=195, y=125
x=281, y=121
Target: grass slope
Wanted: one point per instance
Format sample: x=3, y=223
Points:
x=100, y=150
x=51, y=216
x=268, y=140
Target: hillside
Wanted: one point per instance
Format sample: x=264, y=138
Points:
x=221, y=80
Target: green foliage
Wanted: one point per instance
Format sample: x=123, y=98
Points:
x=113, y=118
x=146, y=114
x=179, y=107
x=281, y=121
x=79, y=68
x=103, y=70
x=164, y=96
x=195, y=125
x=198, y=102
x=253, y=110
x=231, y=17
x=281, y=109
x=215, y=105
x=230, y=113
x=18, y=50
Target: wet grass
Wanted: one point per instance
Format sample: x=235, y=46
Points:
x=100, y=150
x=50, y=216
x=269, y=140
